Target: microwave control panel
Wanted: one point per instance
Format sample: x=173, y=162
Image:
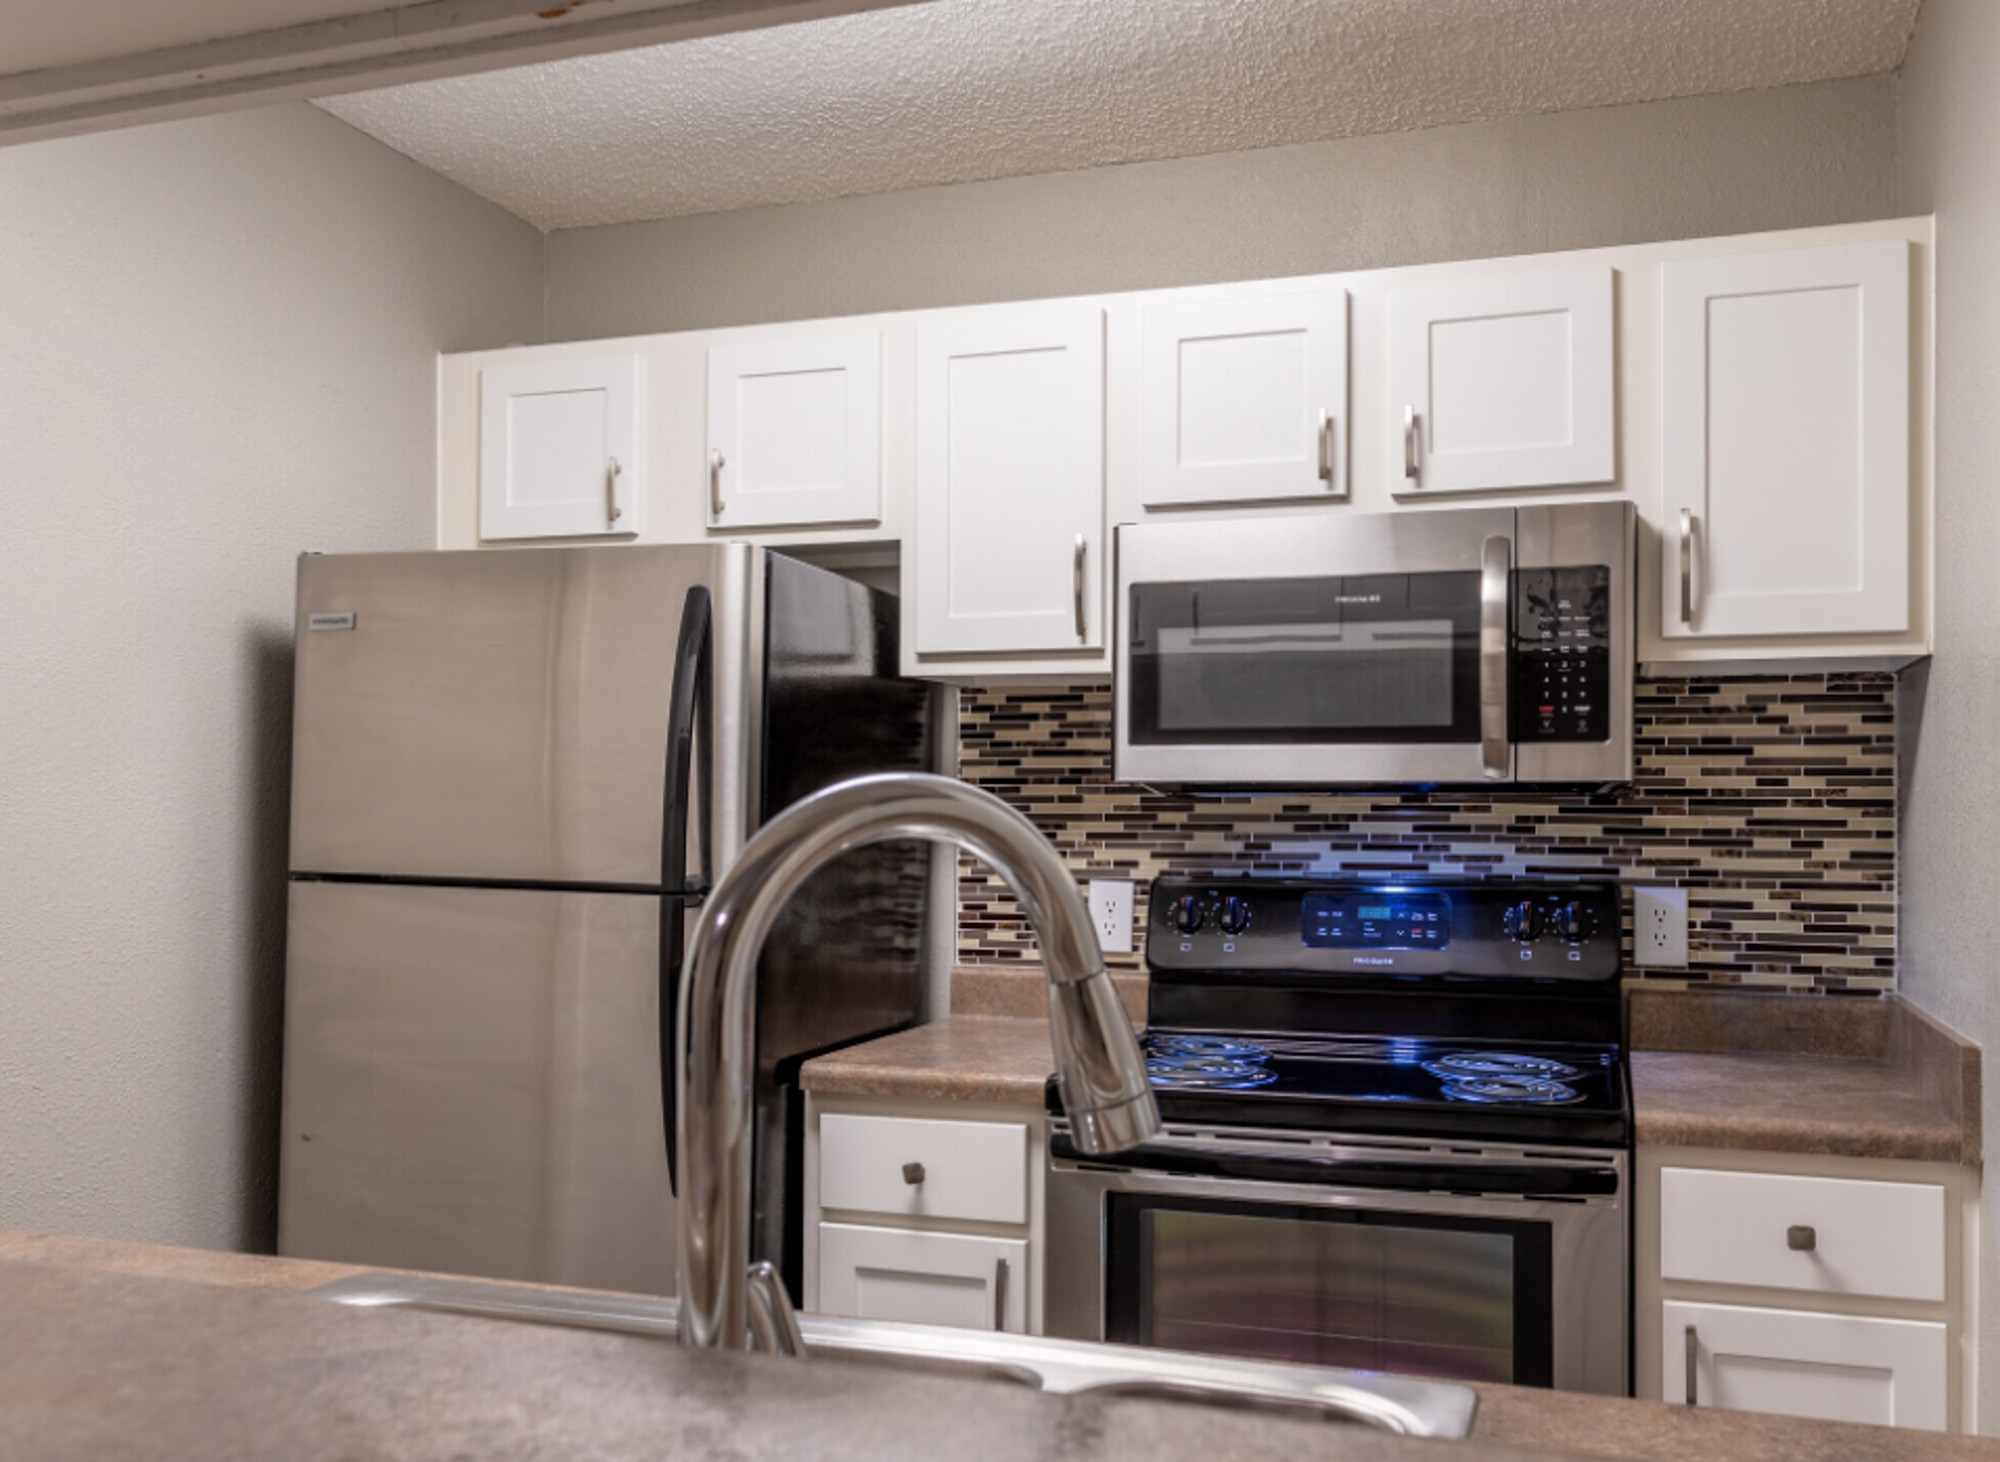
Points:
x=1562, y=654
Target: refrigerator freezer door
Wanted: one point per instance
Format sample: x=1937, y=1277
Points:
x=472, y=1084
x=503, y=715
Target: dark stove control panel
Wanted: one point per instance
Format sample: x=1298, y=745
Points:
x=1472, y=929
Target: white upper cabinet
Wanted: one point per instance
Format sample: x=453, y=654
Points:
x=559, y=447
x=1503, y=382
x=795, y=431
x=1785, y=439
x=1010, y=481
x=1246, y=399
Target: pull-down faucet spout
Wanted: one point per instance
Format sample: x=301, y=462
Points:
x=1098, y=1065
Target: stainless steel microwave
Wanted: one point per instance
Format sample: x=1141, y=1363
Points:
x=1474, y=645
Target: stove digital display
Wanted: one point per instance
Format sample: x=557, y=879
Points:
x=1373, y=921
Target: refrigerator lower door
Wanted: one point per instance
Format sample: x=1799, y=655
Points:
x=503, y=716
x=472, y=1084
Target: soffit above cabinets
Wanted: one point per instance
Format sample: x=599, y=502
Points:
x=960, y=90
x=87, y=65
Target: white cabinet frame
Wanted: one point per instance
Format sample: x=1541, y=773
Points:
x=1785, y=439
x=561, y=447
x=1245, y=400
x=1503, y=383
x=795, y=431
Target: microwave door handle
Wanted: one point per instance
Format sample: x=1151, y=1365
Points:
x=1495, y=560
x=690, y=692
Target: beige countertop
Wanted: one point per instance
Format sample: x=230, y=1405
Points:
x=112, y=1351
x=1765, y=1073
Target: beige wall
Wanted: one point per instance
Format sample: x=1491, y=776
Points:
x=1950, y=804
x=1782, y=158
x=217, y=345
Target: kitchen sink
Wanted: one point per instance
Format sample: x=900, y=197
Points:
x=1399, y=1404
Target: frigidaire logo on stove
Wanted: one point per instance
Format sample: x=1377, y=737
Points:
x=1357, y=599
x=1362, y=959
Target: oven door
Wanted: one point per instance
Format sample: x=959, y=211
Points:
x=1305, y=651
x=1524, y=1286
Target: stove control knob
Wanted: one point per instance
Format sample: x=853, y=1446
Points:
x=1519, y=920
x=1575, y=921
x=1235, y=915
x=1185, y=914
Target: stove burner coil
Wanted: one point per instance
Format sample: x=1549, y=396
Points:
x=1206, y=1073
x=1226, y=1048
x=1499, y=1064
x=1526, y=1089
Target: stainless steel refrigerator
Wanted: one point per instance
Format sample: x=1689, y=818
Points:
x=514, y=773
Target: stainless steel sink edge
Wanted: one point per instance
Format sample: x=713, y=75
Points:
x=1399, y=1404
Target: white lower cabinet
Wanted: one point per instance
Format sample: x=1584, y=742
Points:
x=1805, y=1285
x=924, y=1211
x=972, y=1282
x=1800, y=1363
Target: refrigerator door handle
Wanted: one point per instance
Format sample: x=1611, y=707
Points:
x=692, y=658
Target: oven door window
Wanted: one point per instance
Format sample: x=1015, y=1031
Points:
x=1461, y=1298
x=1389, y=658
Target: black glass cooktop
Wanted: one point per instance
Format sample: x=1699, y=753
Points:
x=1524, y=1091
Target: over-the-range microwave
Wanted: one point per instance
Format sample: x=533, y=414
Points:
x=1424, y=647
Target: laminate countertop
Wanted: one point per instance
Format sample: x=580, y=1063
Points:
x=117, y=1352
x=1767, y=1073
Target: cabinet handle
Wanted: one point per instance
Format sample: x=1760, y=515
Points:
x=999, y=1294
x=913, y=1173
x=612, y=511
x=715, y=484
x=1077, y=566
x=1687, y=566
x=1801, y=1237
x=1692, y=1351
x=1410, y=442
x=1495, y=559
x=1326, y=446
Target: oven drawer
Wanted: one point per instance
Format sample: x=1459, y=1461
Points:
x=924, y=1169
x=1830, y=1235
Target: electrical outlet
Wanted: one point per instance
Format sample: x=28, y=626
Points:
x=1111, y=912
x=1660, y=927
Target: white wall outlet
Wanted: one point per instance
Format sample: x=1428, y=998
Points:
x=1660, y=927
x=1111, y=912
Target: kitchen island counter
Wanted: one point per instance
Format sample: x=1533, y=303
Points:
x=125, y=1351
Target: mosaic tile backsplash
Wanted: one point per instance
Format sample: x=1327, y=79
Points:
x=1771, y=799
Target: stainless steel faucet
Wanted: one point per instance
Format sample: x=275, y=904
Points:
x=1102, y=1075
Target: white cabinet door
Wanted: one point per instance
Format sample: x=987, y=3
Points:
x=1785, y=434
x=1795, y=1363
x=1010, y=482
x=1246, y=399
x=795, y=431
x=925, y=1278
x=1503, y=382
x=559, y=447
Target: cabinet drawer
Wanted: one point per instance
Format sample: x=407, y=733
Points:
x=923, y=1279
x=1867, y=1238
x=976, y=1170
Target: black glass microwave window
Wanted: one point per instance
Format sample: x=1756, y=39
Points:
x=1455, y=1298
x=1382, y=658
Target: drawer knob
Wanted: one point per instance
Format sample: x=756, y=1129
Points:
x=1799, y=1236
x=913, y=1174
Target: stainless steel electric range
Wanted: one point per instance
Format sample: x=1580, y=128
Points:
x=1398, y=1133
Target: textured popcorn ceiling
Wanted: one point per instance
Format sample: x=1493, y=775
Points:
x=958, y=90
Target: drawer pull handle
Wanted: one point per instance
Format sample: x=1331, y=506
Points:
x=913, y=1173
x=999, y=1294
x=1691, y=1353
x=1800, y=1237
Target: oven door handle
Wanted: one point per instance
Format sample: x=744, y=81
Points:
x=1548, y=1180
